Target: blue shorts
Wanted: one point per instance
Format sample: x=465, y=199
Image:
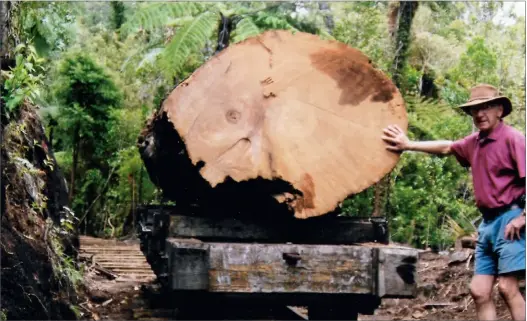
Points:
x=494, y=254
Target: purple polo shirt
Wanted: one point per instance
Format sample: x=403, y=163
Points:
x=498, y=165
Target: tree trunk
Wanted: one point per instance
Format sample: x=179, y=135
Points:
x=140, y=188
x=279, y=123
x=6, y=46
x=406, y=12
x=393, y=13
x=76, y=143
x=224, y=33
x=328, y=17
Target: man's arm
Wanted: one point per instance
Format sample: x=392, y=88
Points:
x=400, y=142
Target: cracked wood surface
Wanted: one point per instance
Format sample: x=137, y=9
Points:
x=270, y=268
x=289, y=107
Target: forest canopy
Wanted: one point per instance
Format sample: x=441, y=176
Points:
x=97, y=70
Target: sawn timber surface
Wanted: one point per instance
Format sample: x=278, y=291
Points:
x=336, y=231
x=289, y=268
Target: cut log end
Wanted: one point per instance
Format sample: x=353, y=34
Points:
x=302, y=132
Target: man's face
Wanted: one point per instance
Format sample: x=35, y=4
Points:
x=486, y=116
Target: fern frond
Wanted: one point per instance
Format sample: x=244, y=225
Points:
x=245, y=28
x=417, y=103
x=269, y=21
x=137, y=53
x=417, y=128
x=191, y=38
x=151, y=16
x=454, y=227
x=463, y=228
x=433, y=119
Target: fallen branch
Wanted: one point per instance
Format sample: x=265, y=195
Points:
x=27, y=294
x=448, y=290
x=468, y=261
x=468, y=303
x=109, y=274
x=437, y=305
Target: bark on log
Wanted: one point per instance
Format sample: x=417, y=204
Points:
x=278, y=122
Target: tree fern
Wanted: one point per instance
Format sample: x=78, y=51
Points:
x=152, y=16
x=191, y=38
x=245, y=28
x=431, y=118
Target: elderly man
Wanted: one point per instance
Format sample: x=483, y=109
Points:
x=496, y=154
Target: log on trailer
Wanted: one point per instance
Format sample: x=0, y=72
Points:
x=280, y=122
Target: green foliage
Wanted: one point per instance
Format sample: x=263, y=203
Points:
x=265, y=21
x=87, y=98
x=363, y=26
x=124, y=73
x=23, y=81
x=64, y=159
x=429, y=189
x=86, y=84
x=477, y=64
x=86, y=95
x=189, y=39
x=245, y=28
x=359, y=205
x=64, y=266
x=48, y=25
x=152, y=16
x=118, y=13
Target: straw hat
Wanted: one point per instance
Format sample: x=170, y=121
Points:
x=484, y=93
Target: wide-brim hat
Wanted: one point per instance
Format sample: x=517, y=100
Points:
x=484, y=93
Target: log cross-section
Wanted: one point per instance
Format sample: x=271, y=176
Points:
x=281, y=118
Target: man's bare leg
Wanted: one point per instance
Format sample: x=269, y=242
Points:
x=481, y=291
x=510, y=291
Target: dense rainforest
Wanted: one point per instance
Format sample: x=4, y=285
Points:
x=96, y=71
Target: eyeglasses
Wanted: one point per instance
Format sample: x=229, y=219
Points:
x=485, y=108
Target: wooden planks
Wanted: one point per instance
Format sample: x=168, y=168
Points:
x=396, y=272
x=189, y=266
x=314, y=231
x=292, y=268
x=265, y=268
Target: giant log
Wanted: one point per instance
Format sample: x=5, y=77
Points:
x=279, y=123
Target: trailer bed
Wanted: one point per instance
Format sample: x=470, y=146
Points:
x=319, y=263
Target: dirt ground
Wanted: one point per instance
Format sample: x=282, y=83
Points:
x=442, y=295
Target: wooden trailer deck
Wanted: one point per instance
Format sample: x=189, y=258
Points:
x=317, y=263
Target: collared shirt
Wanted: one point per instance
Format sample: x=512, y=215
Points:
x=498, y=165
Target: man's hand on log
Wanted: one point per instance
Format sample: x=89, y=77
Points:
x=513, y=229
x=397, y=139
